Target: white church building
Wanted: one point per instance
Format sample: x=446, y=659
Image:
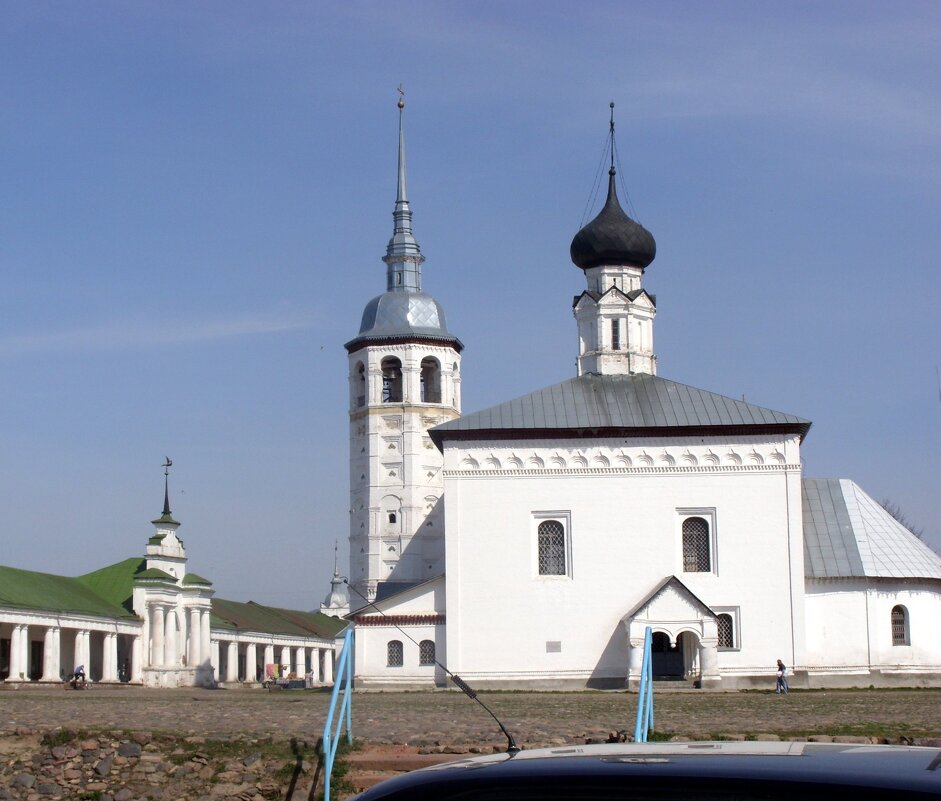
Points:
x=531, y=544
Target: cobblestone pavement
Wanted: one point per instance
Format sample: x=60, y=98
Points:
x=449, y=718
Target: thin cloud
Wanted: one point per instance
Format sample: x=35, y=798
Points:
x=130, y=335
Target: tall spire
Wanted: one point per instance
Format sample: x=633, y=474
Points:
x=166, y=517
x=401, y=195
x=403, y=256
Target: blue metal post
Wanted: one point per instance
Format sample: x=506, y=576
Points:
x=645, y=696
x=331, y=733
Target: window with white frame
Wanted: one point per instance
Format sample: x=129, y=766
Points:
x=727, y=624
x=900, y=626
x=395, y=656
x=426, y=652
x=697, y=540
x=726, y=631
x=553, y=544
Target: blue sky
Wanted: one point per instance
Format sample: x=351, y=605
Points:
x=196, y=197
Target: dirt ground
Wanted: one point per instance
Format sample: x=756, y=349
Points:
x=449, y=718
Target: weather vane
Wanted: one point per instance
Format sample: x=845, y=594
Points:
x=401, y=96
x=166, y=466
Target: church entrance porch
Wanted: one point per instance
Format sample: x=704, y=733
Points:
x=667, y=658
x=684, y=643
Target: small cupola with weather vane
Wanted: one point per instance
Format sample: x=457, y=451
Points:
x=165, y=551
x=615, y=313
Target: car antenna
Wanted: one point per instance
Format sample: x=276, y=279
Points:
x=512, y=748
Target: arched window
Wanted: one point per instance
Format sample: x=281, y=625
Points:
x=360, y=384
x=551, y=548
x=726, y=631
x=900, y=626
x=391, y=380
x=394, y=651
x=696, y=545
x=426, y=652
x=430, y=380
x=392, y=517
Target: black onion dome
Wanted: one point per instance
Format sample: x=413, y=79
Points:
x=613, y=238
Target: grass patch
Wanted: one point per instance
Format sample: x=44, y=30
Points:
x=53, y=739
x=340, y=782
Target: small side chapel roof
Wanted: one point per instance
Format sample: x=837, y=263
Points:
x=617, y=405
x=847, y=534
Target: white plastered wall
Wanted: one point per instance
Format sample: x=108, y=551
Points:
x=849, y=626
x=418, y=614
x=625, y=500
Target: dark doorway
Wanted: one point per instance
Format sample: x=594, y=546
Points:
x=4, y=659
x=35, y=659
x=667, y=661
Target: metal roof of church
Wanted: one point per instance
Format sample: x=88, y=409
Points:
x=601, y=405
x=847, y=534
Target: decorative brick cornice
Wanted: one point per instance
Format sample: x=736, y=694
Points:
x=399, y=620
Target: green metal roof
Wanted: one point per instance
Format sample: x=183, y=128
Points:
x=27, y=589
x=251, y=616
x=195, y=578
x=155, y=574
x=115, y=583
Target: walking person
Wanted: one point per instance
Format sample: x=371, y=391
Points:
x=780, y=684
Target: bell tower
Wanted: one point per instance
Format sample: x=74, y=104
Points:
x=615, y=313
x=404, y=378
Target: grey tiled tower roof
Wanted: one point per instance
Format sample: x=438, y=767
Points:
x=599, y=405
x=403, y=312
x=849, y=535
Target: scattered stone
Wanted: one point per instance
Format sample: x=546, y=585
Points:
x=129, y=750
x=23, y=780
x=103, y=768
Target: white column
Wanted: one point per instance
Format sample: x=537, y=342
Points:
x=214, y=659
x=182, y=626
x=157, y=649
x=15, y=668
x=328, y=666
x=109, y=657
x=251, y=662
x=195, y=640
x=205, y=653
x=232, y=662
x=24, y=652
x=170, y=652
x=50, y=655
x=635, y=659
x=137, y=647
x=85, y=636
x=300, y=662
x=76, y=653
x=269, y=655
x=285, y=658
x=709, y=661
